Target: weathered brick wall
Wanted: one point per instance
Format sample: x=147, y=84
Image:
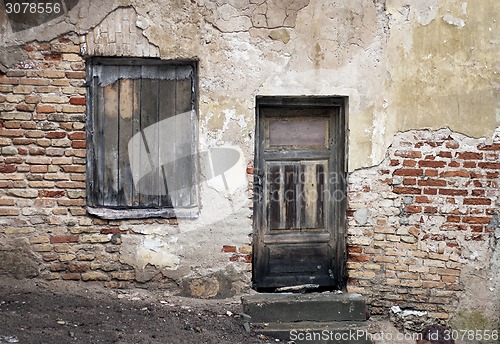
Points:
x=416, y=220
x=42, y=165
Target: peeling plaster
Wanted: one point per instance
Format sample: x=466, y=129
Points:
x=141, y=251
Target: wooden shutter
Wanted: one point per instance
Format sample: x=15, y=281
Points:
x=151, y=106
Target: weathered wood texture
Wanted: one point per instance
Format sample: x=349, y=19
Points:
x=298, y=218
x=142, y=115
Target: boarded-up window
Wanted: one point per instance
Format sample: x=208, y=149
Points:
x=142, y=139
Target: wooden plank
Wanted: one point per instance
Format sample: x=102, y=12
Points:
x=299, y=132
x=136, y=130
x=296, y=155
x=298, y=258
x=128, y=96
x=167, y=149
x=184, y=167
x=95, y=162
x=273, y=182
x=110, y=148
x=150, y=183
x=296, y=237
x=322, y=192
x=290, y=196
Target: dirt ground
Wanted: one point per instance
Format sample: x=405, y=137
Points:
x=37, y=311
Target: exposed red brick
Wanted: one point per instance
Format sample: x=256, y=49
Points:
x=228, y=248
x=25, y=107
x=77, y=135
x=409, y=181
x=453, y=218
x=494, y=146
x=454, y=164
x=413, y=208
x=430, y=210
x=354, y=249
x=406, y=190
x=434, y=143
x=55, y=134
x=445, y=154
x=470, y=156
x=430, y=173
x=432, y=182
x=476, y=219
x=244, y=258
x=431, y=163
x=7, y=168
x=422, y=199
x=78, y=144
x=112, y=230
x=394, y=162
x=52, y=57
x=489, y=165
x=11, y=132
x=409, y=163
x=79, y=267
x=76, y=75
x=492, y=175
x=430, y=191
x=453, y=192
x=359, y=258
x=449, y=279
x=58, y=239
x=414, y=172
x=51, y=193
x=77, y=100
x=469, y=164
x=477, y=201
x=41, y=108
x=478, y=192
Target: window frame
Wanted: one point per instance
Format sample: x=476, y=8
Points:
x=140, y=212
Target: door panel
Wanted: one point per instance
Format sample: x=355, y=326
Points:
x=299, y=227
x=296, y=195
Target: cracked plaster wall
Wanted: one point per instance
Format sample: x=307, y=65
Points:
x=403, y=64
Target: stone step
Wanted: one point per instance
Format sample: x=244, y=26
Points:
x=315, y=307
x=345, y=332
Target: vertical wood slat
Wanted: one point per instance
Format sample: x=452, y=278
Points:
x=321, y=199
x=182, y=143
x=135, y=156
x=167, y=150
x=110, y=147
x=273, y=201
x=128, y=98
x=149, y=116
x=290, y=196
x=95, y=195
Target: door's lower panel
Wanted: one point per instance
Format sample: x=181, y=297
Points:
x=295, y=264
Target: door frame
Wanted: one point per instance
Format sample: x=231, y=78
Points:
x=338, y=155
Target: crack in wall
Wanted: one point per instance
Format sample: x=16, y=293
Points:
x=239, y=16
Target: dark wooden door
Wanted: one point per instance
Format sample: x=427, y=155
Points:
x=299, y=204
